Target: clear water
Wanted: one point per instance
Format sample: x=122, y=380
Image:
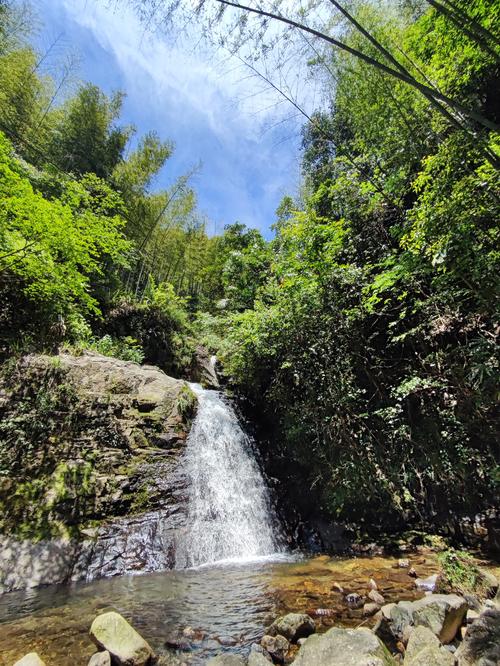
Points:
x=229, y=510
x=197, y=613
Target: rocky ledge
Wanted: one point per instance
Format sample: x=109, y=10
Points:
x=90, y=481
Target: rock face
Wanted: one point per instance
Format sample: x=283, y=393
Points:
x=203, y=368
x=293, y=626
x=31, y=659
x=481, y=645
x=90, y=482
x=344, y=647
x=111, y=632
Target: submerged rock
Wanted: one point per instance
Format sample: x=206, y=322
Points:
x=344, y=647
x=31, y=659
x=226, y=660
x=293, y=626
x=111, y=632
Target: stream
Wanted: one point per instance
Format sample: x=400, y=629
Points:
x=233, y=575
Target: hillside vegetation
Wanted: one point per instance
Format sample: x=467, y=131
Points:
x=364, y=334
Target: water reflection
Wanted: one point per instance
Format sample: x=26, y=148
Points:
x=197, y=612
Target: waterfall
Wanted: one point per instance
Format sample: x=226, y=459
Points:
x=229, y=514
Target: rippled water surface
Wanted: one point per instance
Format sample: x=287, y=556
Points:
x=197, y=612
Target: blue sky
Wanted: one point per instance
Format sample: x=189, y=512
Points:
x=209, y=106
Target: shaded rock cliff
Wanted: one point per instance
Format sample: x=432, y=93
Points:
x=90, y=482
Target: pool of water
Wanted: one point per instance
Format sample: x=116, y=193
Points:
x=197, y=613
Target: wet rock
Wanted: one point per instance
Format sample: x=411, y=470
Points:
x=376, y=597
x=354, y=600
x=481, y=644
x=344, y=647
x=441, y=613
x=412, y=572
x=403, y=564
x=203, y=368
x=100, y=659
x=293, y=626
x=427, y=583
x=258, y=656
x=31, y=659
x=370, y=609
x=277, y=646
x=110, y=631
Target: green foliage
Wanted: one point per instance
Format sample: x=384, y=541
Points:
x=55, y=248
x=370, y=346
x=127, y=349
x=460, y=574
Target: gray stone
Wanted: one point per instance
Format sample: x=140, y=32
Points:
x=387, y=609
x=110, y=631
x=431, y=656
x=481, y=645
x=344, y=647
x=490, y=581
x=441, y=613
x=31, y=659
x=420, y=638
x=376, y=597
x=257, y=653
x=401, y=616
x=100, y=659
x=293, y=626
x=226, y=660
x=277, y=646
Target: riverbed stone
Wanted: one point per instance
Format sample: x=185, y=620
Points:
x=31, y=659
x=277, y=646
x=370, y=609
x=293, y=626
x=100, y=659
x=481, y=644
x=441, y=613
x=226, y=660
x=110, y=631
x=344, y=647
x=258, y=656
x=376, y=597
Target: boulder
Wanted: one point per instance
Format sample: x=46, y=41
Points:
x=481, y=644
x=100, y=659
x=110, y=631
x=428, y=583
x=293, y=626
x=31, y=659
x=431, y=656
x=344, y=647
x=376, y=597
x=258, y=656
x=441, y=613
x=277, y=646
x=226, y=660
x=420, y=639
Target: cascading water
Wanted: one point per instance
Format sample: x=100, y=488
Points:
x=229, y=514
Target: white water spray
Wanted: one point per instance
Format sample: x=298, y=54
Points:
x=229, y=514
